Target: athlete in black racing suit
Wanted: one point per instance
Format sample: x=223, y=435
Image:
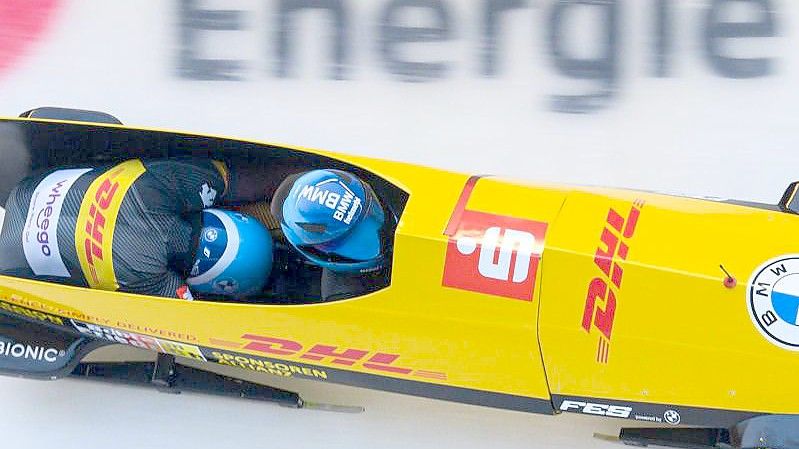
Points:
x=130, y=227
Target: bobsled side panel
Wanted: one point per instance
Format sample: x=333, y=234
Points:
x=636, y=304
x=424, y=334
x=470, y=289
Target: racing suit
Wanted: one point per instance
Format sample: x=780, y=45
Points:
x=131, y=227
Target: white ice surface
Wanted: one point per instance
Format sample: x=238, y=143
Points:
x=84, y=414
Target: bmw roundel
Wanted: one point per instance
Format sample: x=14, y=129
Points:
x=773, y=300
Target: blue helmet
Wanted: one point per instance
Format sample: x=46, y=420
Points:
x=234, y=255
x=332, y=218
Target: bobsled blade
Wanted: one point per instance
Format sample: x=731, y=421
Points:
x=332, y=407
x=606, y=437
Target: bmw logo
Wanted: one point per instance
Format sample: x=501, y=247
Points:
x=226, y=285
x=773, y=300
x=211, y=235
x=672, y=417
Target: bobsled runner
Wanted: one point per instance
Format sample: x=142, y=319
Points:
x=678, y=312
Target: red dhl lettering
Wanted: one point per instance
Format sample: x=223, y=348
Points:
x=605, y=287
x=95, y=225
x=374, y=361
x=97, y=220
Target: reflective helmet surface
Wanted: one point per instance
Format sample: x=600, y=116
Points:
x=332, y=218
x=234, y=255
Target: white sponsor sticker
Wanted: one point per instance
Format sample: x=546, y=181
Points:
x=40, y=236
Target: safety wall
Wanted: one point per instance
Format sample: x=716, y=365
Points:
x=693, y=96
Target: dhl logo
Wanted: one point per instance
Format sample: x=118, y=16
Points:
x=94, y=231
x=605, y=287
x=380, y=362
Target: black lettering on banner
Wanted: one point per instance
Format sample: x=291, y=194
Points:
x=769, y=318
x=194, y=20
x=339, y=43
x=394, y=35
x=717, y=30
x=663, y=38
x=779, y=270
x=492, y=13
x=601, y=68
x=723, y=26
x=762, y=291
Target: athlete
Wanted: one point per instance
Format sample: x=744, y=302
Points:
x=138, y=226
x=336, y=221
x=149, y=227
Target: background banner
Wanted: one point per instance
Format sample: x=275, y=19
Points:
x=688, y=96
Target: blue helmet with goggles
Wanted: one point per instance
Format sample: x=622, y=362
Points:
x=234, y=255
x=332, y=218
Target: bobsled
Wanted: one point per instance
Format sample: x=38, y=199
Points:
x=678, y=312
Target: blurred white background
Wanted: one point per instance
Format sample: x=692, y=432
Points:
x=691, y=96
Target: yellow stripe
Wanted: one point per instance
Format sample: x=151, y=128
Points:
x=223, y=171
x=94, y=230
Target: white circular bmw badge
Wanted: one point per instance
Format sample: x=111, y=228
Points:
x=211, y=235
x=672, y=417
x=773, y=300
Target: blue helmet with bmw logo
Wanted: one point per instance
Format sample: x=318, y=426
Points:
x=234, y=255
x=333, y=218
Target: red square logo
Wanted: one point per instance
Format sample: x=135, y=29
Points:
x=494, y=254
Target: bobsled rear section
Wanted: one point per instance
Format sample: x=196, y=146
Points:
x=35, y=344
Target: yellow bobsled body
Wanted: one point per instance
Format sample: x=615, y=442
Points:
x=529, y=297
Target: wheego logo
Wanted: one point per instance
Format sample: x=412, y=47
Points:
x=591, y=408
x=773, y=298
x=494, y=254
x=94, y=230
x=40, y=236
x=42, y=217
x=604, y=288
x=379, y=362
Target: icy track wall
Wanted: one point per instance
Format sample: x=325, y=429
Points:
x=691, y=96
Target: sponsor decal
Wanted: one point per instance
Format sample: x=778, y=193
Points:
x=494, y=254
x=207, y=195
x=267, y=366
x=94, y=230
x=29, y=352
x=490, y=253
x=344, y=205
x=593, y=408
x=40, y=235
x=773, y=299
x=653, y=413
x=603, y=290
x=668, y=417
x=139, y=341
x=379, y=362
x=33, y=314
x=211, y=235
x=226, y=285
x=23, y=306
x=672, y=417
